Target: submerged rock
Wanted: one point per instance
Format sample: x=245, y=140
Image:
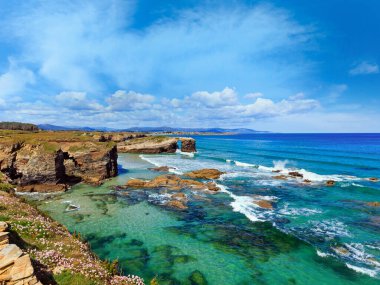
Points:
x=197, y=278
x=176, y=204
x=42, y=188
x=207, y=173
x=160, y=169
x=373, y=204
x=330, y=183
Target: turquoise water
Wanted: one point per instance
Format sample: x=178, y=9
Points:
x=314, y=234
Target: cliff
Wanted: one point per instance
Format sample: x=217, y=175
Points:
x=156, y=144
x=148, y=145
x=55, y=160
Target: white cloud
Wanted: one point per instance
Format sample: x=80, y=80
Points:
x=253, y=95
x=15, y=80
x=217, y=45
x=127, y=101
x=225, y=97
x=365, y=68
x=76, y=101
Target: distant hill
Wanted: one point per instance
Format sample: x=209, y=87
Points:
x=18, y=126
x=150, y=129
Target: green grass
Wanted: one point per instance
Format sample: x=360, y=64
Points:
x=70, y=278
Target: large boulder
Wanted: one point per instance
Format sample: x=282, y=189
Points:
x=207, y=173
x=188, y=145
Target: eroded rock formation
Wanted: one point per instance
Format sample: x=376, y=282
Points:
x=188, y=145
x=149, y=145
x=40, y=167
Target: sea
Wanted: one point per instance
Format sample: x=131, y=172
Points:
x=314, y=234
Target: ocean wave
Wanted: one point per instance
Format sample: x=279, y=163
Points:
x=190, y=154
x=246, y=206
x=366, y=271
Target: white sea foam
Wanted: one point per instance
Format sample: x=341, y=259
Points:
x=191, y=154
x=329, y=229
x=280, y=164
x=244, y=164
x=159, y=198
x=246, y=206
x=298, y=211
x=369, y=272
x=358, y=185
x=323, y=254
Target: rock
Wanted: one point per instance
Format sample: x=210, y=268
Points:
x=72, y=207
x=160, y=169
x=307, y=181
x=276, y=171
x=4, y=238
x=264, y=204
x=43, y=188
x=197, y=278
x=373, y=179
x=373, y=204
x=295, y=174
x=21, y=269
x=148, y=145
x=330, y=183
x=341, y=250
x=207, y=173
x=280, y=177
x=211, y=186
x=176, y=204
x=188, y=145
x=171, y=182
x=179, y=196
x=56, y=162
x=3, y=226
x=9, y=254
x=135, y=183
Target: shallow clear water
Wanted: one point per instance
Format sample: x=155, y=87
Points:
x=314, y=235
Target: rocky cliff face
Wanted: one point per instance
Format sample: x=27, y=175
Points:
x=188, y=145
x=149, y=145
x=27, y=164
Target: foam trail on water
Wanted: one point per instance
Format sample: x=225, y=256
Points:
x=191, y=154
x=362, y=270
x=242, y=204
x=155, y=163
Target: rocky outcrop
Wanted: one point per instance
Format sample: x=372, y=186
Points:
x=15, y=266
x=330, y=183
x=187, y=145
x=373, y=204
x=41, y=166
x=160, y=169
x=171, y=182
x=149, y=145
x=207, y=173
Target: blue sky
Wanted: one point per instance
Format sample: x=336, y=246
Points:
x=288, y=66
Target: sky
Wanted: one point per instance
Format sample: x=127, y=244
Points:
x=281, y=66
